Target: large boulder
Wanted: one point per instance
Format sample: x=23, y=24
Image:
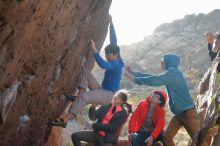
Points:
x=43, y=48
x=208, y=105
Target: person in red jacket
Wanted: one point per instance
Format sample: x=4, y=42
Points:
x=148, y=120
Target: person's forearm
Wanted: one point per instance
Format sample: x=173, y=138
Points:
x=113, y=37
x=93, y=113
x=139, y=74
x=102, y=63
x=149, y=81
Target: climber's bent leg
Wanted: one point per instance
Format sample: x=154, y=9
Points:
x=86, y=136
x=98, y=97
x=88, y=81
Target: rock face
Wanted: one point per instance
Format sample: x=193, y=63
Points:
x=208, y=105
x=43, y=47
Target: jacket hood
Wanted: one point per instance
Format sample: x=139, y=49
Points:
x=171, y=60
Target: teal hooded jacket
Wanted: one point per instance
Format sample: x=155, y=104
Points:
x=180, y=99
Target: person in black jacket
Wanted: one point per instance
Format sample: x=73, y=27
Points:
x=210, y=38
x=110, y=119
x=213, y=41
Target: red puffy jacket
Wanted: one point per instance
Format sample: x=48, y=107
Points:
x=139, y=115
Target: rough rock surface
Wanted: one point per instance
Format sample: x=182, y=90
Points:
x=208, y=104
x=43, y=47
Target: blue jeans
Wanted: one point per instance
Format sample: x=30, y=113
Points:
x=138, y=139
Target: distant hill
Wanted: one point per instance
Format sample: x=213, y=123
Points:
x=184, y=37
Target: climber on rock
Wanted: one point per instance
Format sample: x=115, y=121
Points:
x=109, y=120
x=210, y=38
x=148, y=120
x=213, y=41
x=180, y=101
x=98, y=94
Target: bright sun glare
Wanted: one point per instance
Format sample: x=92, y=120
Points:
x=135, y=19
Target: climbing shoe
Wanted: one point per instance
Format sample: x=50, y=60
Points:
x=58, y=122
x=70, y=97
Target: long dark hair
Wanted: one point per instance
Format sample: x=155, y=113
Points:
x=124, y=97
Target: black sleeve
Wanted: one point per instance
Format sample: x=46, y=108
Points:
x=212, y=54
x=93, y=113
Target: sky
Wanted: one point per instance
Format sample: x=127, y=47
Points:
x=135, y=19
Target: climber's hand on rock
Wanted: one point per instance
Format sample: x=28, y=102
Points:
x=93, y=46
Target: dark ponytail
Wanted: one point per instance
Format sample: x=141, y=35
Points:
x=126, y=105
